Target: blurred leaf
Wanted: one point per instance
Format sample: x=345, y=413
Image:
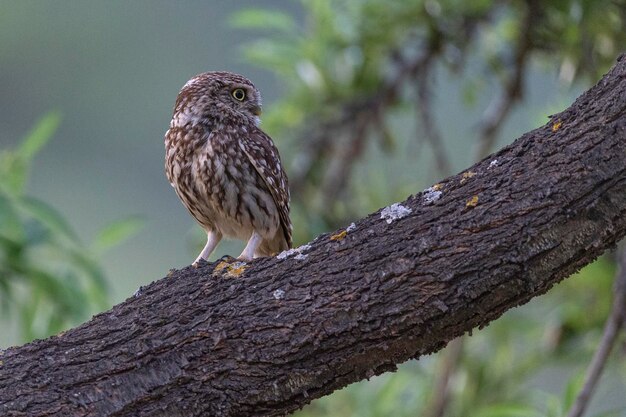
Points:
x=10, y=223
x=263, y=19
x=51, y=285
x=13, y=172
x=573, y=387
x=116, y=233
x=89, y=268
x=14, y=165
x=554, y=407
x=39, y=135
x=47, y=277
x=507, y=410
x=49, y=217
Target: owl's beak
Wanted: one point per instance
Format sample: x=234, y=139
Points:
x=256, y=110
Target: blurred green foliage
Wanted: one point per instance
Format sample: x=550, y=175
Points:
x=344, y=49
x=49, y=279
x=354, y=71
x=343, y=60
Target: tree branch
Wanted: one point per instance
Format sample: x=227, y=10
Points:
x=265, y=338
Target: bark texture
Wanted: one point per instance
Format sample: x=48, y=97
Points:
x=265, y=338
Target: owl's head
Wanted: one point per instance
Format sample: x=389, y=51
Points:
x=217, y=99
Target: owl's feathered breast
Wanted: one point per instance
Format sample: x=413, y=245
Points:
x=230, y=179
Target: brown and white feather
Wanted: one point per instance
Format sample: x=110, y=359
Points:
x=264, y=156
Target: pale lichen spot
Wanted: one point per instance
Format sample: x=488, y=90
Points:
x=300, y=256
x=394, y=212
x=278, y=294
x=295, y=251
x=351, y=228
x=286, y=253
x=432, y=194
x=493, y=163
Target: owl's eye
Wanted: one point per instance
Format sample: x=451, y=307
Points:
x=239, y=94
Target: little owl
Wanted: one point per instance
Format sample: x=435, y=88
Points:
x=224, y=168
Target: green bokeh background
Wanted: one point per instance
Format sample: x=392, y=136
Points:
x=112, y=70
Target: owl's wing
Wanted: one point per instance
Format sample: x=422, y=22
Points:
x=264, y=156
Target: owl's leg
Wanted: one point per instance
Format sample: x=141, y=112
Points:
x=253, y=243
x=212, y=239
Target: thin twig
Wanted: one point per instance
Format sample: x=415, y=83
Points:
x=339, y=168
x=361, y=114
x=424, y=109
x=441, y=391
x=613, y=325
x=501, y=106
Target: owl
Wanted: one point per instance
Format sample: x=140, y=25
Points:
x=224, y=168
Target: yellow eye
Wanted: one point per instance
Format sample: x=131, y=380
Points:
x=239, y=94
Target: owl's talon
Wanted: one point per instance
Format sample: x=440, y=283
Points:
x=198, y=263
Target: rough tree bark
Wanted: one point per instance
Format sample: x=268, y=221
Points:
x=263, y=339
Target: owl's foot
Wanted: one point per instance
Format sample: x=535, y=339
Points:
x=197, y=262
x=212, y=239
x=228, y=259
x=253, y=243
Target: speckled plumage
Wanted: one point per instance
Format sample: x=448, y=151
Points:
x=224, y=168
